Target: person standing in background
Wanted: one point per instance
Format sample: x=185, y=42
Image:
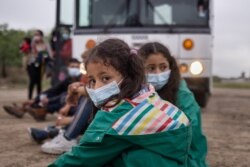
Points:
x=61, y=45
x=39, y=62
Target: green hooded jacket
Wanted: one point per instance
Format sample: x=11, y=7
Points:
x=198, y=150
x=132, y=136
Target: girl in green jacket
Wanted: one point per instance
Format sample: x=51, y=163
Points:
x=133, y=126
x=163, y=73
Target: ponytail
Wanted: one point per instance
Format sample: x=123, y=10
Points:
x=135, y=75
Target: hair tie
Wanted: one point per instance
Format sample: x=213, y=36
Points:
x=133, y=51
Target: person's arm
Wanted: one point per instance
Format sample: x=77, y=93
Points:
x=75, y=90
x=24, y=62
x=57, y=89
x=187, y=103
x=64, y=120
x=48, y=49
x=92, y=154
x=65, y=109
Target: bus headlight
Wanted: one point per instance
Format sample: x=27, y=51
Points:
x=196, y=68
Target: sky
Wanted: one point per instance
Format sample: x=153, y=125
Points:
x=231, y=29
x=28, y=14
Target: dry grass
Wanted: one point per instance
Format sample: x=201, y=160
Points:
x=243, y=85
x=18, y=78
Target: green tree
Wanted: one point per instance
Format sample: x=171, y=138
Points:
x=9, y=48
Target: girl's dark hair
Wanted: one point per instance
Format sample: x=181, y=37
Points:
x=27, y=39
x=40, y=32
x=73, y=60
x=168, y=91
x=116, y=53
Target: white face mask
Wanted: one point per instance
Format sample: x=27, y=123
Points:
x=74, y=72
x=100, y=95
x=65, y=36
x=158, y=80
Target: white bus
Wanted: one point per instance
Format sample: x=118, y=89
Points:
x=184, y=26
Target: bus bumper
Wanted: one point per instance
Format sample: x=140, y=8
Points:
x=201, y=89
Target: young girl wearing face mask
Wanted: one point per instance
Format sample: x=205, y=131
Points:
x=162, y=72
x=133, y=125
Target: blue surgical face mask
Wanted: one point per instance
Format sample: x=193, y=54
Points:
x=65, y=36
x=100, y=95
x=74, y=72
x=158, y=80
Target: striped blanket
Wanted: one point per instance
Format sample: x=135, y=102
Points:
x=150, y=115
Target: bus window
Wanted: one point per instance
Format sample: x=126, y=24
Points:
x=66, y=16
x=177, y=12
x=152, y=14
x=142, y=13
x=84, y=13
x=163, y=15
x=98, y=13
x=202, y=8
x=108, y=12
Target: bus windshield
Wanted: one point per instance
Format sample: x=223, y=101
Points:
x=65, y=13
x=142, y=13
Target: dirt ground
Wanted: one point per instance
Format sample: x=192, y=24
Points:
x=226, y=122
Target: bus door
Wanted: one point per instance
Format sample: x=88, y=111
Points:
x=61, y=42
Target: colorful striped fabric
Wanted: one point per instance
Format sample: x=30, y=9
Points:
x=150, y=116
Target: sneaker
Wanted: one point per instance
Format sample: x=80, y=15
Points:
x=38, y=114
x=52, y=130
x=16, y=111
x=58, y=145
x=38, y=135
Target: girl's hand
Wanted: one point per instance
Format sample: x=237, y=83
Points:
x=64, y=110
x=75, y=90
x=77, y=87
x=62, y=120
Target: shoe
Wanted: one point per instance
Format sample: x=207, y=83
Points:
x=52, y=130
x=38, y=114
x=16, y=111
x=14, y=104
x=58, y=145
x=38, y=135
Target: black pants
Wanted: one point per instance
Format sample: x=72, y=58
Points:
x=35, y=79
